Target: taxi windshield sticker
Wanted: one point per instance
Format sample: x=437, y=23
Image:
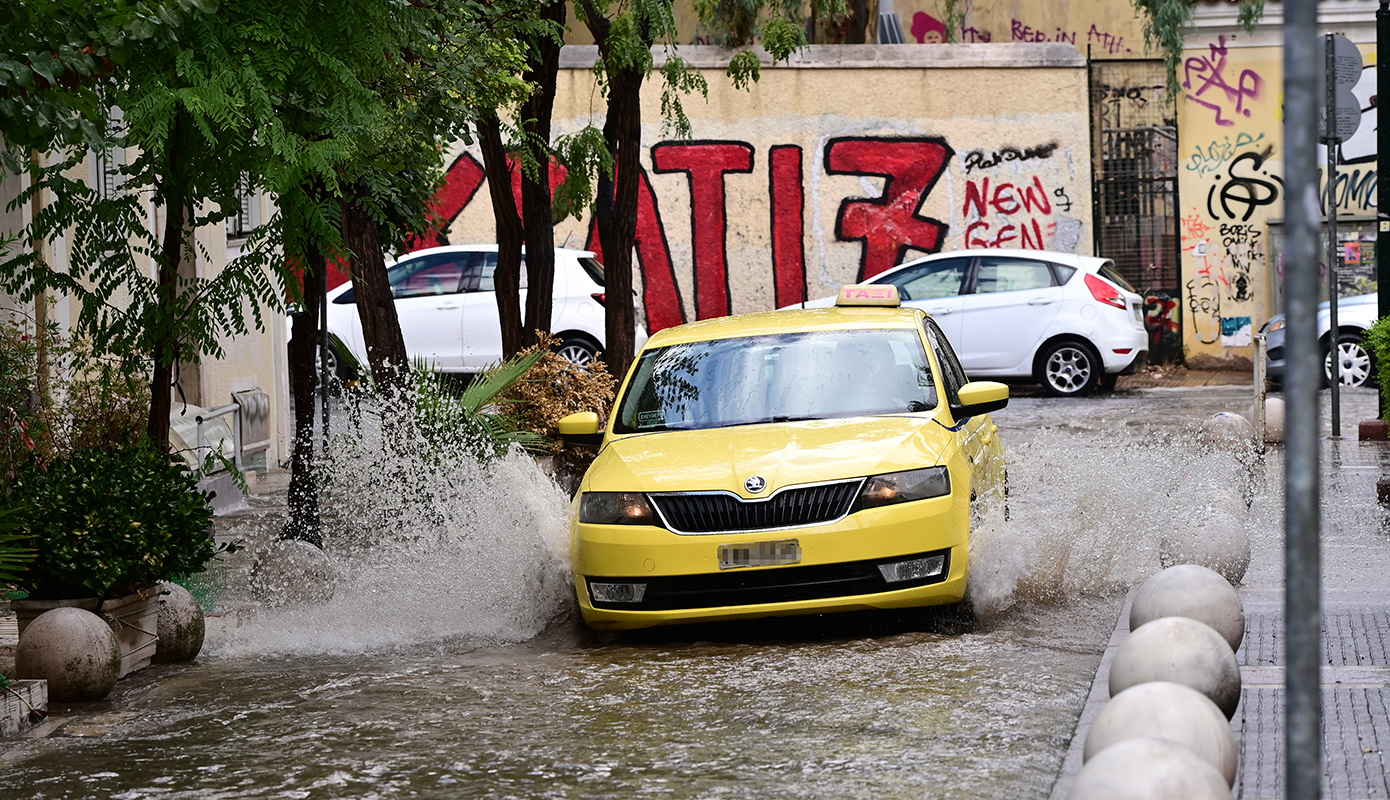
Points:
x=649, y=418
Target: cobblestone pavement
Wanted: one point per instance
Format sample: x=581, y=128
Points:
x=1356, y=631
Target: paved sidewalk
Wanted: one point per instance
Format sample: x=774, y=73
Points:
x=1356, y=631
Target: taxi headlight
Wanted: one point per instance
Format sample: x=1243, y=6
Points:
x=903, y=487
x=615, y=508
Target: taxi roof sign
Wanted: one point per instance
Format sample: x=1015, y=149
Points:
x=882, y=294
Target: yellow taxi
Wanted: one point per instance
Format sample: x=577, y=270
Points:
x=789, y=462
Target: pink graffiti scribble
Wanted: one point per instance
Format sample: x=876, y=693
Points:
x=1193, y=227
x=1211, y=71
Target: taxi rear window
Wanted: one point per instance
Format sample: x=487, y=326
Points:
x=778, y=378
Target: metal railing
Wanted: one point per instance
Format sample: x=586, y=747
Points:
x=202, y=446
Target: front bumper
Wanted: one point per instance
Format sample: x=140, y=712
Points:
x=838, y=569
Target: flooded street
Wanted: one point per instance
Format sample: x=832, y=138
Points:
x=449, y=663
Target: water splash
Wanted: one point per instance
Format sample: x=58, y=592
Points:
x=430, y=543
x=1092, y=515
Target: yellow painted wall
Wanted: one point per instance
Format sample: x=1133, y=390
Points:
x=1230, y=188
x=1013, y=144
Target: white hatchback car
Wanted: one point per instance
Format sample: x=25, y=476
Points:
x=1070, y=322
x=448, y=308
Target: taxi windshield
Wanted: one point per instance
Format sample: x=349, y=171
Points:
x=778, y=378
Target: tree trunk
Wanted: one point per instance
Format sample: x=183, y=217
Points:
x=507, y=278
x=617, y=215
x=381, y=328
x=536, y=209
x=165, y=345
x=305, y=523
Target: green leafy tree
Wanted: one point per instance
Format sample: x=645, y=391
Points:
x=625, y=34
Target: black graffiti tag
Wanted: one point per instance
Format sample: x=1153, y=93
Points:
x=984, y=160
x=1243, y=190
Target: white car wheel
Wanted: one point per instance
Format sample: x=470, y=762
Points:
x=576, y=350
x=1069, y=369
x=1354, y=362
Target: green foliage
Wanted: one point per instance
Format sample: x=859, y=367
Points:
x=448, y=418
x=586, y=156
x=678, y=79
x=1378, y=337
x=108, y=522
x=100, y=401
x=1165, y=20
x=14, y=555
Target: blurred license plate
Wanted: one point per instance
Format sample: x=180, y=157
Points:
x=760, y=554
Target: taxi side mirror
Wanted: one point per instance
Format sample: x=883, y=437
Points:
x=980, y=397
x=581, y=428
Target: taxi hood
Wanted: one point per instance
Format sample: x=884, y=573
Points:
x=785, y=453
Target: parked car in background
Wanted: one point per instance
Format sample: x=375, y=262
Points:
x=1356, y=363
x=1069, y=322
x=448, y=308
x=789, y=462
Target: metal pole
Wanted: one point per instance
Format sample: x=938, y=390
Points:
x=1261, y=391
x=1333, y=354
x=1303, y=376
x=1383, y=187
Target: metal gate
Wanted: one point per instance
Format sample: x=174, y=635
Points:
x=1134, y=137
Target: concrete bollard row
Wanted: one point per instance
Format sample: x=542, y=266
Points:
x=1174, y=685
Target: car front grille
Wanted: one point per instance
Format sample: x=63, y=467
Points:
x=768, y=585
x=721, y=512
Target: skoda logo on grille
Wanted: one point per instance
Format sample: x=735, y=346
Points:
x=755, y=484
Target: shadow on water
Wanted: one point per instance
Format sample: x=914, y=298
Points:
x=950, y=620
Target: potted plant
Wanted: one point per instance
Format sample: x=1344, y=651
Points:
x=108, y=524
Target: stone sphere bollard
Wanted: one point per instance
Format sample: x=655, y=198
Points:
x=1215, y=539
x=293, y=571
x=1227, y=431
x=1171, y=711
x=1195, y=592
x=1183, y=651
x=1149, y=769
x=74, y=650
x=180, y=624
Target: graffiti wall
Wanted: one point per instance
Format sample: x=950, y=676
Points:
x=1104, y=28
x=826, y=174
x=1232, y=191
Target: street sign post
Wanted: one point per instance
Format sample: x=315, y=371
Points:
x=1337, y=122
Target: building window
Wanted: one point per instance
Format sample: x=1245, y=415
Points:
x=106, y=175
x=242, y=221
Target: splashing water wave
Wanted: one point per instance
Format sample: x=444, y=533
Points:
x=1091, y=515
x=429, y=543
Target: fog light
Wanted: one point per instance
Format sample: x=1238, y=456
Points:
x=913, y=570
x=617, y=592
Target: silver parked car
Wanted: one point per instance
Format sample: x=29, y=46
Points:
x=1356, y=362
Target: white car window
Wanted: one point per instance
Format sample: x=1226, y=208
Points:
x=430, y=275
x=1012, y=275
x=930, y=280
x=485, y=280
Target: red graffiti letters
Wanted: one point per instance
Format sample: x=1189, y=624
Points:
x=705, y=164
x=461, y=182
x=889, y=225
x=788, y=224
x=660, y=292
x=1007, y=199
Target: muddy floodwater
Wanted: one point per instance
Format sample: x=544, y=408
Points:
x=449, y=665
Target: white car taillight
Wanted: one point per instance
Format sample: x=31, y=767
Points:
x=1104, y=291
